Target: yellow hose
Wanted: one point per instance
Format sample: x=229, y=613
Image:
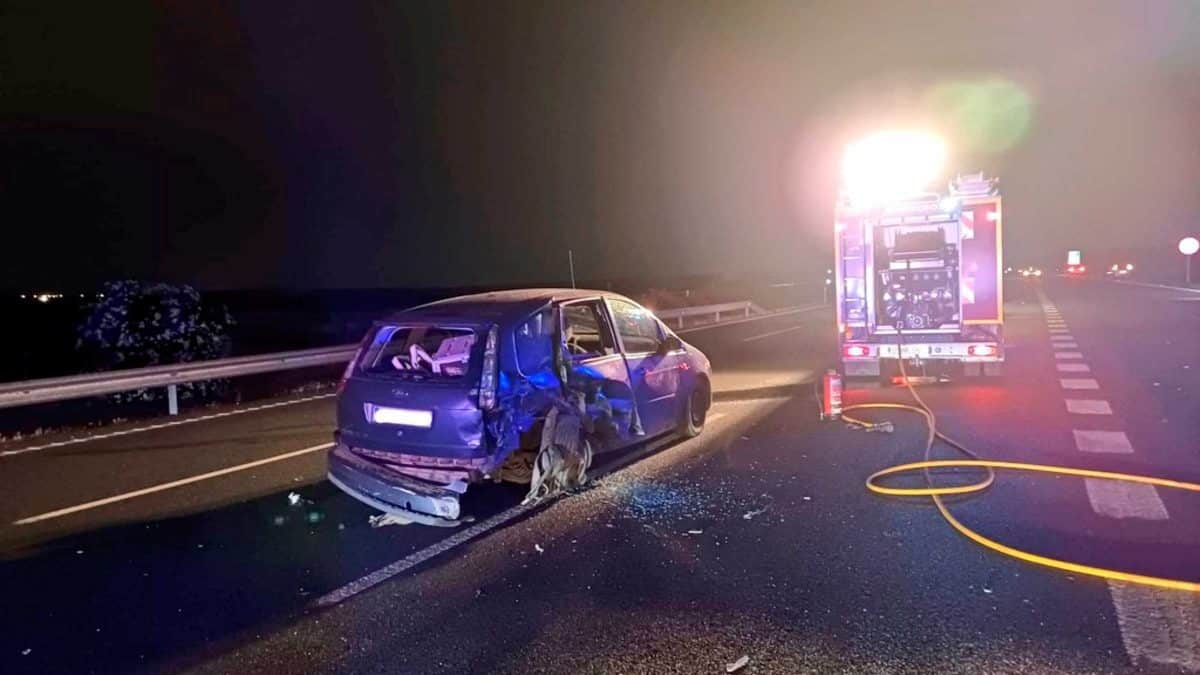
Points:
x=935, y=493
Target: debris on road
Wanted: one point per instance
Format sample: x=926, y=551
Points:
x=756, y=512
x=538, y=548
x=695, y=531
x=384, y=519
x=737, y=665
x=293, y=498
x=26, y=652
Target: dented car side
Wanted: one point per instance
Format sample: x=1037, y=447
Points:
x=521, y=386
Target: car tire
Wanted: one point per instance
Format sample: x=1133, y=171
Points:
x=695, y=411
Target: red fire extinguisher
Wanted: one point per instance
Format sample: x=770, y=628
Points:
x=831, y=398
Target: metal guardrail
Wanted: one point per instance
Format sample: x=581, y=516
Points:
x=744, y=307
x=49, y=390
x=13, y=394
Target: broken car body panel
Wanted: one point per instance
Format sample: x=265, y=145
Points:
x=440, y=396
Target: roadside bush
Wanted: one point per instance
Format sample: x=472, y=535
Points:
x=137, y=324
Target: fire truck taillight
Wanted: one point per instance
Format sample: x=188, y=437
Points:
x=856, y=351
x=983, y=350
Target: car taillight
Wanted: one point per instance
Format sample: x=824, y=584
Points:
x=1083, y=268
x=983, y=350
x=487, y=379
x=346, y=373
x=856, y=350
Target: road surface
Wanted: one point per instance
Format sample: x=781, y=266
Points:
x=756, y=539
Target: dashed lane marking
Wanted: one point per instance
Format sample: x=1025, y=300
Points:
x=1083, y=406
x=1068, y=355
x=1073, y=367
x=1105, y=442
x=1122, y=499
x=1158, y=624
x=1061, y=338
x=161, y=425
x=1081, y=383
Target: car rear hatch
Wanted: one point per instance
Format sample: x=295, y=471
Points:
x=413, y=392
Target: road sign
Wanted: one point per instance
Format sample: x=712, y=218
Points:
x=1188, y=247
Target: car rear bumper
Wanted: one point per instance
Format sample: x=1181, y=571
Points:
x=391, y=492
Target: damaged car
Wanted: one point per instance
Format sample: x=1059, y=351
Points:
x=521, y=386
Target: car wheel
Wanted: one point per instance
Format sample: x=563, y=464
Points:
x=695, y=411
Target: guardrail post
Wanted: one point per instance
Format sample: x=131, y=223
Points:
x=680, y=317
x=718, y=319
x=747, y=310
x=172, y=400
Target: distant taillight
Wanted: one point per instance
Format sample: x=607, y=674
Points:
x=487, y=379
x=854, y=351
x=983, y=350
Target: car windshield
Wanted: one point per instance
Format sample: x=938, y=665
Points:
x=420, y=352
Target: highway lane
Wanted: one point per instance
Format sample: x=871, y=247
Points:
x=178, y=572
x=768, y=546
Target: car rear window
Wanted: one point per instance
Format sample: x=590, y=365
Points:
x=420, y=352
x=534, y=342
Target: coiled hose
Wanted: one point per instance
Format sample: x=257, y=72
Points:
x=989, y=466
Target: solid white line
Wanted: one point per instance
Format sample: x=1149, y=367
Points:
x=1079, y=383
x=781, y=331
x=453, y=541
x=167, y=486
x=1121, y=499
x=1083, y=406
x=1073, y=368
x=1106, y=442
x=161, y=425
x=1068, y=355
x=760, y=317
x=1174, y=288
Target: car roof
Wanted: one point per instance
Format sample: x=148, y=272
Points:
x=499, y=306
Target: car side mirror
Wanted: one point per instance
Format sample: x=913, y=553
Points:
x=669, y=344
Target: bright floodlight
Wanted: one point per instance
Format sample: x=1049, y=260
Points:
x=892, y=164
x=1189, y=245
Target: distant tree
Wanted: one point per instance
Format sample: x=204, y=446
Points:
x=136, y=324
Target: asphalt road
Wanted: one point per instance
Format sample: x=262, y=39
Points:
x=756, y=539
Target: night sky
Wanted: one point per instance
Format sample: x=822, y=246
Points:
x=232, y=144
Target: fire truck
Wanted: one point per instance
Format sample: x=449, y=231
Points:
x=919, y=278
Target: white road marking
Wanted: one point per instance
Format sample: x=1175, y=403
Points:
x=1079, y=383
x=1073, y=368
x=161, y=425
x=1059, y=331
x=167, y=486
x=1158, y=624
x=1068, y=355
x=1085, y=406
x=454, y=541
x=781, y=331
x=1121, y=499
x=1066, y=345
x=1174, y=288
x=1061, y=338
x=1106, y=442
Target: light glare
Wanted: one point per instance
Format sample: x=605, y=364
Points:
x=892, y=164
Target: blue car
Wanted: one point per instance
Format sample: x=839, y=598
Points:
x=453, y=393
